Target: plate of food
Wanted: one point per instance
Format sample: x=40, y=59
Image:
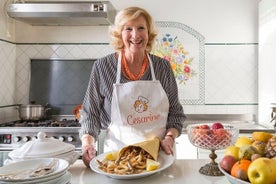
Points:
x=132, y=162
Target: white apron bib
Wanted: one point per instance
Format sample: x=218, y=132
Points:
x=139, y=111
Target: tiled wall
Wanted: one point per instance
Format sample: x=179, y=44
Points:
x=230, y=73
x=231, y=80
x=7, y=80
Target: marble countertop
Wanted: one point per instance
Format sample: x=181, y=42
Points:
x=181, y=171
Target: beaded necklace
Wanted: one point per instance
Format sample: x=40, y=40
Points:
x=128, y=74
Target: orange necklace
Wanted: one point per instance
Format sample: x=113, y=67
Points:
x=128, y=74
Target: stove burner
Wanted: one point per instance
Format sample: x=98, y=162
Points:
x=44, y=123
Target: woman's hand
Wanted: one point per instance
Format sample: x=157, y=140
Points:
x=88, y=153
x=88, y=149
x=167, y=144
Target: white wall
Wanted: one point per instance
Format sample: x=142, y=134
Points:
x=222, y=21
x=6, y=24
x=231, y=48
x=267, y=61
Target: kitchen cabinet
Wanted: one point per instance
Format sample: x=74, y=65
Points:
x=185, y=150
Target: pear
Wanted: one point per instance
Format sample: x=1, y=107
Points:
x=247, y=151
x=260, y=146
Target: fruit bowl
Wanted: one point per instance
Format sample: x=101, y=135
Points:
x=232, y=179
x=215, y=136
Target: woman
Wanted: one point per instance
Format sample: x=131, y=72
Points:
x=131, y=93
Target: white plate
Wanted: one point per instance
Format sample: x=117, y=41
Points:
x=232, y=179
x=62, y=179
x=21, y=166
x=71, y=157
x=165, y=162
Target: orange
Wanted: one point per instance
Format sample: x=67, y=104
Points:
x=239, y=169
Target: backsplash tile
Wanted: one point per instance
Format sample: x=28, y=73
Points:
x=66, y=51
x=230, y=74
x=7, y=80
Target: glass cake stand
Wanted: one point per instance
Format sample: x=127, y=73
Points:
x=212, y=139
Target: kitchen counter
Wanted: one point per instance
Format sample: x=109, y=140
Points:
x=181, y=172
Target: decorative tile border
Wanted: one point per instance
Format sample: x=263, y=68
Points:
x=190, y=92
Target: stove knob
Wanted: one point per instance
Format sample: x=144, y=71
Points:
x=70, y=138
x=53, y=137
x=61, y=138
x=26, y=138
x=34, y=137
x=17, y=139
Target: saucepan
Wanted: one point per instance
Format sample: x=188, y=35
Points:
x=32, y=111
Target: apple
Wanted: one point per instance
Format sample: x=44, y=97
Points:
x=262, y=171
x=204, y=126
x=217, y=125
x=227, y=162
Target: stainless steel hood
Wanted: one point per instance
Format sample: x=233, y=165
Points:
x=96, y=13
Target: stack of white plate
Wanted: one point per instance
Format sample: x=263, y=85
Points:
x=44, y=147
x=20, y=172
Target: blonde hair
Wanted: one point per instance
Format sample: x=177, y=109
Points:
x=126, y=15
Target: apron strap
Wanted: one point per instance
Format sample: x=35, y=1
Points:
x=118, y=76
x=119, y=66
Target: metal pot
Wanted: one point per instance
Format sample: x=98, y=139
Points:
x=32, y=112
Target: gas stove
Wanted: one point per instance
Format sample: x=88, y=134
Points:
x=16, y=133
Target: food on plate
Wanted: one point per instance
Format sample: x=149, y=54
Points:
x=152, y=165
x=132, y=159
x=113, y=155
x=262, y=171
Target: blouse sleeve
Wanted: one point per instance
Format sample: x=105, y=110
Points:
x=90, y=120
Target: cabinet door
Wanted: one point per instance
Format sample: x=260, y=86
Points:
x=184, y=149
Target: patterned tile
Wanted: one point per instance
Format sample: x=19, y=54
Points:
x=230, y=74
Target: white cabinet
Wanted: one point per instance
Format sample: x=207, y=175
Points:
x=184, y=149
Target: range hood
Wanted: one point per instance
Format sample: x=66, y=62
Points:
x=96, y=13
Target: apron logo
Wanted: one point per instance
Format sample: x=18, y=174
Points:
x=140, y=105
